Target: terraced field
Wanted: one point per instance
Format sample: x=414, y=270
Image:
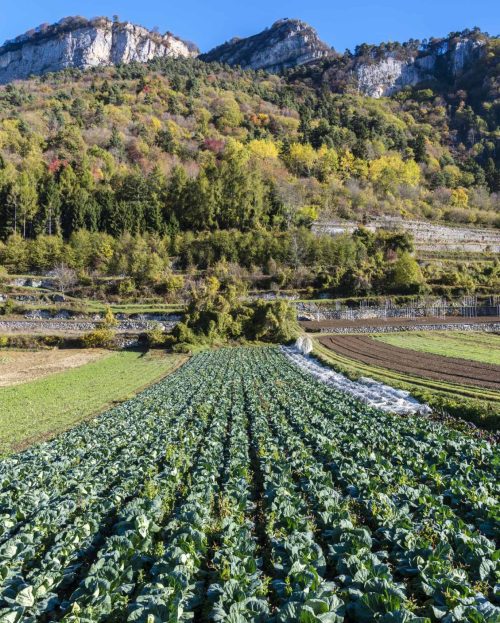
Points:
x=378, y=325
x=241, y=489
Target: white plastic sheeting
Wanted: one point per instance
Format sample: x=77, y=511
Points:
x=366, y=390
x=304, y=344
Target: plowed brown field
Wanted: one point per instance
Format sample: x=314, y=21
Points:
x=425, y=365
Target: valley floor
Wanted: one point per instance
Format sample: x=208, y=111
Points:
x=241, y=488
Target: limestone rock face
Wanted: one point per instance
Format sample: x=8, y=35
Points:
x=288, y=43
x=389, y=74
x=386, y=77
x=84, y=45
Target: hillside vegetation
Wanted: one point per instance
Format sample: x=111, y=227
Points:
x=184, y=144
x=163, y=160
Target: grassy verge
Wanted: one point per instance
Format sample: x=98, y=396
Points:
x=482, y=347
x=41, y=409
x=87, y=306
x=134, y=308
x=477, y=405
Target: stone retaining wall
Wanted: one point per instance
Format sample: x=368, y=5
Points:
x=488, y=327
x=315, y=313
x=79, y=326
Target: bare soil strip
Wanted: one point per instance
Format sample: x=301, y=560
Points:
x=425, y=365
x=18, y=367
x=397, y=323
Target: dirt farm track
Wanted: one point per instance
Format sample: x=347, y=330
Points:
x=436, y=367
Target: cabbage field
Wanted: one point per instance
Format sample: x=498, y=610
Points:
x=240, y=488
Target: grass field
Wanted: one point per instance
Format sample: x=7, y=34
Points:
x=45, y=407
x=483, y=347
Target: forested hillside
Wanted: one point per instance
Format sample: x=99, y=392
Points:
x=183, y=144
x=181, y=149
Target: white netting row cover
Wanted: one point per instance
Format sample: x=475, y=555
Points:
x=366, y=390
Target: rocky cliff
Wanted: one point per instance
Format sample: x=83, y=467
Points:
x=288, y=43
x=375, y=71
x=81, y=43
x=385, y=74
x=383, y=70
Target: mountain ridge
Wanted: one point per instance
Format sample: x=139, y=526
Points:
x=289, y=46
x=287, y=43
x=76, y=42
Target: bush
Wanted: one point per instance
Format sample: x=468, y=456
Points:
x=406, y=275
x=184, y=334
x=30, y=342
x=274, y=321
x=216, y=315
x=109, y=318
x=99, y=338
x=126, y=287
x=8, y=307
x=155, y=337
x=182, y=348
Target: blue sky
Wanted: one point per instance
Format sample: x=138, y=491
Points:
x=341, y=23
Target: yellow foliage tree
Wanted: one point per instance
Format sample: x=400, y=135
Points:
x=346, y=164
x=328, y=162
x=266, y=150
x=452, y=175
x=391, y=170
x=459, y=198
x=109, y=318
x=301, y=159
x=227, y=113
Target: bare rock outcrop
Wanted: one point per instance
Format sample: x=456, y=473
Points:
x=82, y=44
x=389, y=73
x=288, y=43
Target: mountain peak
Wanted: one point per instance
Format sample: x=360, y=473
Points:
x=287, y=43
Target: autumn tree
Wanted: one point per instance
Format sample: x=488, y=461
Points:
x=407, y=275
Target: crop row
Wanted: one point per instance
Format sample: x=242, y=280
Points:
x=242, y=489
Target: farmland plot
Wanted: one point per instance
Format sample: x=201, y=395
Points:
x=427, y=365
x=242, y=489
